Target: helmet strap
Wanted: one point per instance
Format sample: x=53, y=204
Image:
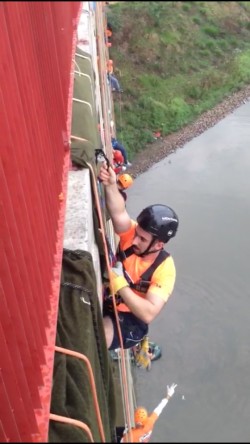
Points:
x=148, y=251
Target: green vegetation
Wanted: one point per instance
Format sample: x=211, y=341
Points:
x=174, y=61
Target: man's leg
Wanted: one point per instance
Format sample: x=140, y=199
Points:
x=114, y=83
x=132, y=330
x=109, y=330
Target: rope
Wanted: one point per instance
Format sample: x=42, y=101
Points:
x=106, y=99
x=123, y=367
x=120, y=114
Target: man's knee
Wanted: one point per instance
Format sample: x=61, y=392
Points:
x=109, y=330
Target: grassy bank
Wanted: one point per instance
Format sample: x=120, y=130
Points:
x=174, y=61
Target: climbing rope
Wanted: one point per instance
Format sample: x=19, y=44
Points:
x=124, y=380
x=106, y=94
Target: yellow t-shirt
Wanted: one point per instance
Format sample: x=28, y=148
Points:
x=163, y=278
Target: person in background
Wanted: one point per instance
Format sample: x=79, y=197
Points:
x=117, y=145
x=124, y=181
x=118, y=161
x=143, y=278
x=144, y=423
x=114, y=83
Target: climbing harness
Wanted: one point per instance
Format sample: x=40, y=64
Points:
x=141, y=285
x=145, y=279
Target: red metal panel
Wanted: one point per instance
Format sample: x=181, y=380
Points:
x=9, y=426
x=37, y=46
x=8, y=371
x=3, y=436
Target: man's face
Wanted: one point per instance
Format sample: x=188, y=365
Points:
x=141, y=241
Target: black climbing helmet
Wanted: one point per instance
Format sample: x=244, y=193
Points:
x=160, y=221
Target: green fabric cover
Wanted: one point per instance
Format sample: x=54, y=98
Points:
x=82, y=152
x=84, y=115
x=83, y=124
x=80, y=328
x=84, y=63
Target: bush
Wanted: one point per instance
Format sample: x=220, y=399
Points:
x=178, y=112
x=211, y=30
x=243, y=66
x=179, y=65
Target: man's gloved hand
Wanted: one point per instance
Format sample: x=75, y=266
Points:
x=118, y=281
x=170, y=390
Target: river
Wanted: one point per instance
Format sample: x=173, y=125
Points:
x=204, y=329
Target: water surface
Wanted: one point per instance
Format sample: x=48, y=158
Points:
x=204, y=329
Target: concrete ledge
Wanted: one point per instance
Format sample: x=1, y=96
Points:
x=79, y=228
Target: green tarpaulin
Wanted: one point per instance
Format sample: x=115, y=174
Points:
x=80, y=328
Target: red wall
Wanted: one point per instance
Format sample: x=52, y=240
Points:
x=37, y=45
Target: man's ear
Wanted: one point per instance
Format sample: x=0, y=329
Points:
x=159, y=244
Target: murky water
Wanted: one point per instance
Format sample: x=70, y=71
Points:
x=204, y=330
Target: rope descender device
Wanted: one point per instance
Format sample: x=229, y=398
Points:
x=101, y=156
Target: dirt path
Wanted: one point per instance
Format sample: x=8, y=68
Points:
x=161, y=148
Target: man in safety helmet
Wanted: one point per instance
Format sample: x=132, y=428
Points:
x=144, y=423
x=117, y=145
x=124, y=181
x=118, y=161
x=144, y=277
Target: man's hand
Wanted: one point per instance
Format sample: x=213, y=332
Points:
x=114, y=200
x=107, y=175
x=118, y=280
x=170, y=390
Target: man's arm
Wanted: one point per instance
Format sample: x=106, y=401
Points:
x=145, y=309
x=164, y=401
x=114, y=200
x=148, y=307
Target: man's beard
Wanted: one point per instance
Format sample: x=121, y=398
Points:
x=136, y=250
x=138, y=253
